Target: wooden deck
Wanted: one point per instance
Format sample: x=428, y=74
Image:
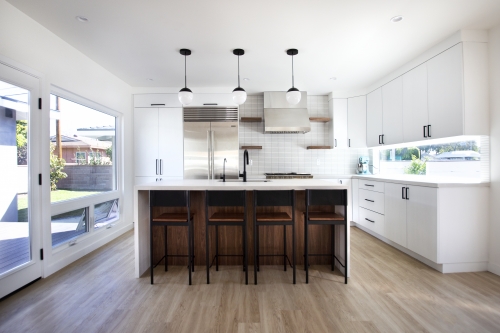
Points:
x=388, y=292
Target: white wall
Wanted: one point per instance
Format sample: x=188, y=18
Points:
x=494, y=44
x=26, y=43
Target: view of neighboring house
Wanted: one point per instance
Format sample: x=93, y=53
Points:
x=80, y=150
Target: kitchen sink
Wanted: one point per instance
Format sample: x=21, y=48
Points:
x=248, y=180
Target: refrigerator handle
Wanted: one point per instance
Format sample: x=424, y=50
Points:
x=209, y=144
x=213, y=154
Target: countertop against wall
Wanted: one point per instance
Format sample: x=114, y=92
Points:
x=424, y=180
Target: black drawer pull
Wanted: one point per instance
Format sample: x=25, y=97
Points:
x=157, y=104
x=369, y=220
x=369, y=185
x=369, y=200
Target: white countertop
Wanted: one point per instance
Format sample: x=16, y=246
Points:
x=424, y=180
x=273, y=184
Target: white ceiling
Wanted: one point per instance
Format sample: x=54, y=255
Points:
x=352, y=40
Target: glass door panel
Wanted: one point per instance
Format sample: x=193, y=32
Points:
x=20, y=237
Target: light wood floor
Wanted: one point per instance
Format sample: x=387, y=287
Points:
x=388, y=292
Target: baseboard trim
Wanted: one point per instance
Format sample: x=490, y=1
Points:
x=494, y=268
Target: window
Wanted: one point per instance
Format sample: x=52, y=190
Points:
x=67, y=226
x=105, y=213
x=461, y=157
x=82, y=145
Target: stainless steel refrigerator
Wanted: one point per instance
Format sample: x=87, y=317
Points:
x=210, y=136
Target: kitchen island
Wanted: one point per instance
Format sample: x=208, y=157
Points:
x=230, y=237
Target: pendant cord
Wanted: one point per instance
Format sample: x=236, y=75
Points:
x=292, y=74
x=185, y=75
x=238, y=71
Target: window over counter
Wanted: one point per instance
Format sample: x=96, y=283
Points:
x=460, y=157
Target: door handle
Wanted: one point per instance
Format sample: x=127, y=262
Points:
x=335, y=142
x=429, y=131
x=383, y=139
x=208, y=154
x=369, y=220
x=369, y=200
x=407, y=197
x=156, y=166
x=213, y=157
x=403, y=192
x=349, y=143
x=424, y=132
x=161, y=166
x=379, y=139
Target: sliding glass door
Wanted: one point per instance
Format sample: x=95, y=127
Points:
x=20, y=209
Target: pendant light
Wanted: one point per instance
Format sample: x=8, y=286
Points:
x=293, y=94
x=185, y=95
x=239, y=94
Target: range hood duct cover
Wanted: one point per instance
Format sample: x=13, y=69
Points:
x=281, y=117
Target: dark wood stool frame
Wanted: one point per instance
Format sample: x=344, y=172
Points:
x=225, y=199
x=171, y=199
x=272, y=199
x=323, y=198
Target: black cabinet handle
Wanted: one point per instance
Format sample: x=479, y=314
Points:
x=383, y=139
x=335, y=142
x=369, y=200
x=429, y=131
x=369, y=185
x=407, y=197
x=425, y=135
x=349, y=143
x=403, y=192
x=161, y=167
x=379, y=139
x=369, y=220
x=156, y=166
x=157, y=104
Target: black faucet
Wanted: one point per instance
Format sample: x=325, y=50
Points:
x=224, y=171
x=245, y=159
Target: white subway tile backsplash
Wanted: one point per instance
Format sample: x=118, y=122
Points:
x=288, y=152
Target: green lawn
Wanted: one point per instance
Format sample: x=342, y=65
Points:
x=58, y=195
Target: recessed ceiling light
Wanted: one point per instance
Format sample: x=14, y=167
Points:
x=150, y=79
x=82, y=19
x=333, y=78
x=397, y=19
x=246, y=79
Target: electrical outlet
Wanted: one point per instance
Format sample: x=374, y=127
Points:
x=318, y=162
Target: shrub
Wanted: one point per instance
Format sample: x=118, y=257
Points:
x=56, y=166
x=417, y=167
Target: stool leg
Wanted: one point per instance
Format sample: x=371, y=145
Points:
x=345, y=249
x=333, y=246
x=245, y=254
x=166, y=248
x=255, y=232
x=189, y=251
x=284, y=247
x=306, y=250
x=258, y=257
x=192, y=245
x=305, y=242
x=207, y=252
x=216, y=247
x=293, y=253
x=151, y=251
x=243, y=236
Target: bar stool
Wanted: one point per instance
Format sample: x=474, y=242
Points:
x=171, y=199
x=325, y=198
x=226, y=199
x=273, y=199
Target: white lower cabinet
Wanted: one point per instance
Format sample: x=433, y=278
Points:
x=371, y=220
x=395, y=213
x=422, y=221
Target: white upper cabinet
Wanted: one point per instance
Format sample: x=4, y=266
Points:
x=415, y=111
x=392, y=106
x=146, y=141
x=212, y=100
x=156, y=101
x=171, y=142
x=356, y=122
x=339, y=122
x=445, y=93
x=374, y=114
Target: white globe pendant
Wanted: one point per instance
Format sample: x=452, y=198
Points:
x=185, y=96
x=293, y=96
x=239, y=95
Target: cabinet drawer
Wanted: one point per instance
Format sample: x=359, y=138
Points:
x=372, y=200
x=156, y=101
x=371, y=185
x=372, y=220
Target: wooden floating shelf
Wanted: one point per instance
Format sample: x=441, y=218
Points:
x=251, y=119
x=320, y=119
x=251, y=147
x=319, y=147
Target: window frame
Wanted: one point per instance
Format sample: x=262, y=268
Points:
x=90, y=201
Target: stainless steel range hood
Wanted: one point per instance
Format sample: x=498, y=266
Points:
x=281, y=117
